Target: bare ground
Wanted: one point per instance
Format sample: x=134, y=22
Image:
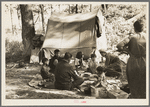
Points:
x=17, y=87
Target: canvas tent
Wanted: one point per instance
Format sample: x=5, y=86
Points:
x=73, y=33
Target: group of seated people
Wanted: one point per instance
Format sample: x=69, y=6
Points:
x=61, y=71
x=66, y=77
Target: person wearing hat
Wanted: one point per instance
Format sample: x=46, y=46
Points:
x=112, y=64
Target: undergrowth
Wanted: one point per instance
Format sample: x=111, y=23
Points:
x=13, y=50
x=115, y=31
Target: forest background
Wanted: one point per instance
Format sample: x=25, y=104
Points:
x=119, y=22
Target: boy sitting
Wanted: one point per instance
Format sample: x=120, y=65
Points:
x=93, y=64
x=101, y=76
x=101, y=72
x=46, y=75
x=54, y=60
x=79, y=62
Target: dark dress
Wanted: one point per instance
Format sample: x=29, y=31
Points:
x=136, y=65
x=63, y=74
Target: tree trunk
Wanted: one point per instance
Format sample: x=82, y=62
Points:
x=42, y=11
x=90, y=7
x=76, y=8
x=69, y=8
x=105, y=7
x=59, y=8
x=51, y=9
x=81, y=8
x=28, y=30
x=19, y=18
x=11, y=15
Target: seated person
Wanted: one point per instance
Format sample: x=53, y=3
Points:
x=96, y=52
x=46, y=75
x=93, y=64
x=79, y=63
x=54, y=60
x=64, y=74
x=112, y=64
x=101, y=72
x=101, y=76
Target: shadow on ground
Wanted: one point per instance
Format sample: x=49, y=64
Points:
x=17, y=87
x=27, y=94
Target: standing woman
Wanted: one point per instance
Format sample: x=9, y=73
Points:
x=135, y=46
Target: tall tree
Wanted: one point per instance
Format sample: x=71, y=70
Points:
x=42, y=15
x=51, y=9
x=69, y=8
x=19, y=15
x=81, y=8
x=59, y=8
x=11, y=15
x=90, y=7
x=76, y=8
x=28, y=30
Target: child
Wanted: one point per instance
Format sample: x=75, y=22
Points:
x=79, y=63
x=93, y=64
x=96, y=52
x=54, y=60
x=46, y=75
x=101, y=72
x=101, y=76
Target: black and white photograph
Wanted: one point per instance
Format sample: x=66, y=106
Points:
x=75, y=53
